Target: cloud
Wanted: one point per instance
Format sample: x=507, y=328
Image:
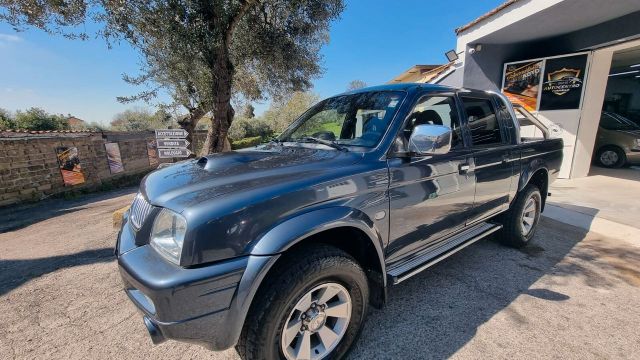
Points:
x=9, y=38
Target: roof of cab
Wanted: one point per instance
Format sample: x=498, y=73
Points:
x=402, y=87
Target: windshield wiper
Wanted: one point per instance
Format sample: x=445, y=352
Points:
x=332, y=144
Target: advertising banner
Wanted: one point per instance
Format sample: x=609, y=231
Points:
x=522, y=83
x=563, y=82
x=114, y=158
x=69, y=165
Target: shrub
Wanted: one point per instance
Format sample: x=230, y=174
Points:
x=246, y=142
x=38, y=119
x=243, y=128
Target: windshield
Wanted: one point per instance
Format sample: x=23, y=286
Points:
x=611, y=121
x=352, y=120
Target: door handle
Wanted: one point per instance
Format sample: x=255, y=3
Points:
x=464, y=168
x=505, y=158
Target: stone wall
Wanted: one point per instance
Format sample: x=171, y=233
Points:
x=29, y=169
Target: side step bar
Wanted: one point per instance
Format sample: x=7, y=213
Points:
x=412, y=266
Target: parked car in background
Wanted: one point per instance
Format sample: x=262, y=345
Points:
x=280, y=249
x=617, y=142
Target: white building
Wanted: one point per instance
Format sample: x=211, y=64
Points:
x=563, y=58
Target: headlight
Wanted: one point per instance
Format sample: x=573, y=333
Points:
x=636, y=144
x=167, y=235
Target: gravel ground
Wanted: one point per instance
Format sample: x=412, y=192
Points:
x=571, y=295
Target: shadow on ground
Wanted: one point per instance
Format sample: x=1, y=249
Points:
x=435, y=313
x=15, y=272
x=16, y=217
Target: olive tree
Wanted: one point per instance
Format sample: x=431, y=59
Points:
x=203, y=53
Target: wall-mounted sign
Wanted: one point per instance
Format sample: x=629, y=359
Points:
x=171, y=143
x=113, y=158
x=69, y=165
x=559, y=88
x=563, y=82
x=522, y=83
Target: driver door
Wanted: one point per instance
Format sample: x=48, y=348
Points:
x=430, y=196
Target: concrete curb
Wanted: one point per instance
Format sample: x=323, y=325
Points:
x=117, y=216
x=593, y=223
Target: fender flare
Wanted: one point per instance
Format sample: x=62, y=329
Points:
x=529, y=170
x=267, y=249
x=293, y=230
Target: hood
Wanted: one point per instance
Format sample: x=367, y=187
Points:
x=190, y=182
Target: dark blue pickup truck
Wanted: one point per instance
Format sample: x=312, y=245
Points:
x=279, y=249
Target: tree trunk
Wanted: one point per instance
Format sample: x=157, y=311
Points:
x=223, y=111
x=188, y=123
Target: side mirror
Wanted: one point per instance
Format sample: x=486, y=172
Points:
x=430, y=140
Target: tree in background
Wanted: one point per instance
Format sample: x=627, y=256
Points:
x=249, y=111
x=37, y=119
x=140, y=119
x=284, y=111
x=356, y=84
x=202, y=52
x=6, y=120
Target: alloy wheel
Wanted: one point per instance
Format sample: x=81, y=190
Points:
x=529, y=215
x=317, y=323
x=609, y=158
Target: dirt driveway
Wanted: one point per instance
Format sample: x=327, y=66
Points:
x=572, y=295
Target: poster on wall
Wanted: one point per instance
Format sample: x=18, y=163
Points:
x=113, y=158
x=69, y=165
x=522, y=83
x=152, y=152
x=563, y=82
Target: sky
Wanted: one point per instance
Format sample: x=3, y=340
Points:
x=373, y=41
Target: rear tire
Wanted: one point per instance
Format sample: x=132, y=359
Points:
x=302, y=279
x=521, y=221
x=611, y=157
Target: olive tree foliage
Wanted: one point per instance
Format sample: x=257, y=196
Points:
x=203, y=53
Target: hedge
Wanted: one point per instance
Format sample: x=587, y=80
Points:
x=246, y=142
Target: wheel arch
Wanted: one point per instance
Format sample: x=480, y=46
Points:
x=348, y=229
x=538, y=176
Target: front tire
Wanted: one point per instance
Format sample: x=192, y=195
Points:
x=312, y=307
x=520, y=222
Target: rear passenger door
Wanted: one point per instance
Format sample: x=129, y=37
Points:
x=491, y=156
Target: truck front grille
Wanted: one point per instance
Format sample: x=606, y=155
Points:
x=140, y=209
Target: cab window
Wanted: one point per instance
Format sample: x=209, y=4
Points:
x=482, y=120
x=432, y=110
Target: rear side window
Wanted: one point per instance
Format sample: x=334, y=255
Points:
x=483, y=123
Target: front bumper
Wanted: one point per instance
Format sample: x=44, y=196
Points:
x=205, y=305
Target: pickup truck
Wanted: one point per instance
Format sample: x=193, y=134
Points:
x=280, y=249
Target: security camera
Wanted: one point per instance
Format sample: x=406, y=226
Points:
x=472, y=51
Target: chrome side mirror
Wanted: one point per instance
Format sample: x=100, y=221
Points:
x=430, y=140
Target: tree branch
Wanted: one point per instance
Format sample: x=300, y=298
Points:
x=246, y=6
